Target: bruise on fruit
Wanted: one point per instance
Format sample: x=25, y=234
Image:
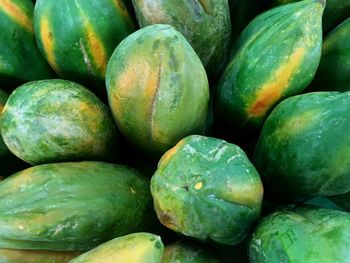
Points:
x=48, y=45
x=273, y=90
x=17, y=14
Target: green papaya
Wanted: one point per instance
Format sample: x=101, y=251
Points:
x=57, y=120
x=275, y=57
x=72, y=206
x=188, y=252
x=302, y=234
x=157, y=88
x=3, y=149
x=205, y=24
x=78, y=37
x=35, y=256
x=207, y=188
x=303, y=149
x=333, y=73
x=19, y=52
x=132, y=248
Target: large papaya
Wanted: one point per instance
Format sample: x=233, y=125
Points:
x=78, y=37
x=207, y=188
x=303, y=149
x=205, y=24
x=133, y=248
x=35, y=256
x=302, y=234
x=334, y=70
x=71, y=206
x=157, y=88
x=57, y=120
x=276, y=56
x=17, y=44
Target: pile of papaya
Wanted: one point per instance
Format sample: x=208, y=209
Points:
x=174, y=131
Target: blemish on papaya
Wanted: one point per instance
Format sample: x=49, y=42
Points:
x=269, y=93
x=298, y=123
x=17, y=14
x=48, y=43
x=198, y=186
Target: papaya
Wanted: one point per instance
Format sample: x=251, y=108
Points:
x=207, y=189
x=19, y=51
x=333, y=73
x=302, y=234
x=72, y=206
x=78, y=37
x=132, y=248
x=57, y=120
x=201, y=22
x=276, y=56
x=3, y=99
x=303, y=149
x=157, y=88
x=35, y=256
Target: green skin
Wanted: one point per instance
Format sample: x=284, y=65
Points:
x=57, y=120
x=3, y=98
x=334, y=70
x=18, y=48
x=303, y=234
x=201, y=22
x=154, y=79
x=71, y=206
x=73, y=55
x=35, y=256
x=133, y=248
x=257, y=78
x=335, y=12
x=214, y=177
x=188, y=252
x=303, y=147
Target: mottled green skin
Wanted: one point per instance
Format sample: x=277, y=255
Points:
x=207, y=188
x=303, y=149
x=57, y=120
x=71, y=206
x=133, y=248
x=154, y=79
x=335, y=12
x=35, y=256
x=188, y=252
x=3, y=149
x=302, y=235
x=68, y=22
x=334, y=70
x=18, y=49
x=257, y=77
x=204, y=23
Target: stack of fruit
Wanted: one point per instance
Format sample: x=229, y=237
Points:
x=203, y=98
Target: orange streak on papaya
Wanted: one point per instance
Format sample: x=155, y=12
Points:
x=169, y=154
x=272, y=91
x=121, y=9
x=17, y=14
x=48, y=44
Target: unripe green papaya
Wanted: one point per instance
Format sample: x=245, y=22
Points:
x=3, y=98
x=207, y=188
x=72, y=206
x=35, y=256
x=205, y=24
x=132, y=248
x=20, y=59
x=57, y=120
x=276, y=56
x=303, y=149
x=302, y=234
x=157, y=88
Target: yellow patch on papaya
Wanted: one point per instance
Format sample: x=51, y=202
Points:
x=17, y=14
x=247, y=194
x=269, y=93
x=198, y=186
x=13, y=255
x=48, y=43
x=169, y=154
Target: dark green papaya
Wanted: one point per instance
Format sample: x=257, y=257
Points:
x=157, y=88
x=20, y=59
x=132, y=248
x=205, y=24
x=207, y=188
x=35, y=256
x=78, y=37
x=302, y=234
x=303, y=149
x=72, y=206
x=57, y=120
x=276, y=56
x=333, y=73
